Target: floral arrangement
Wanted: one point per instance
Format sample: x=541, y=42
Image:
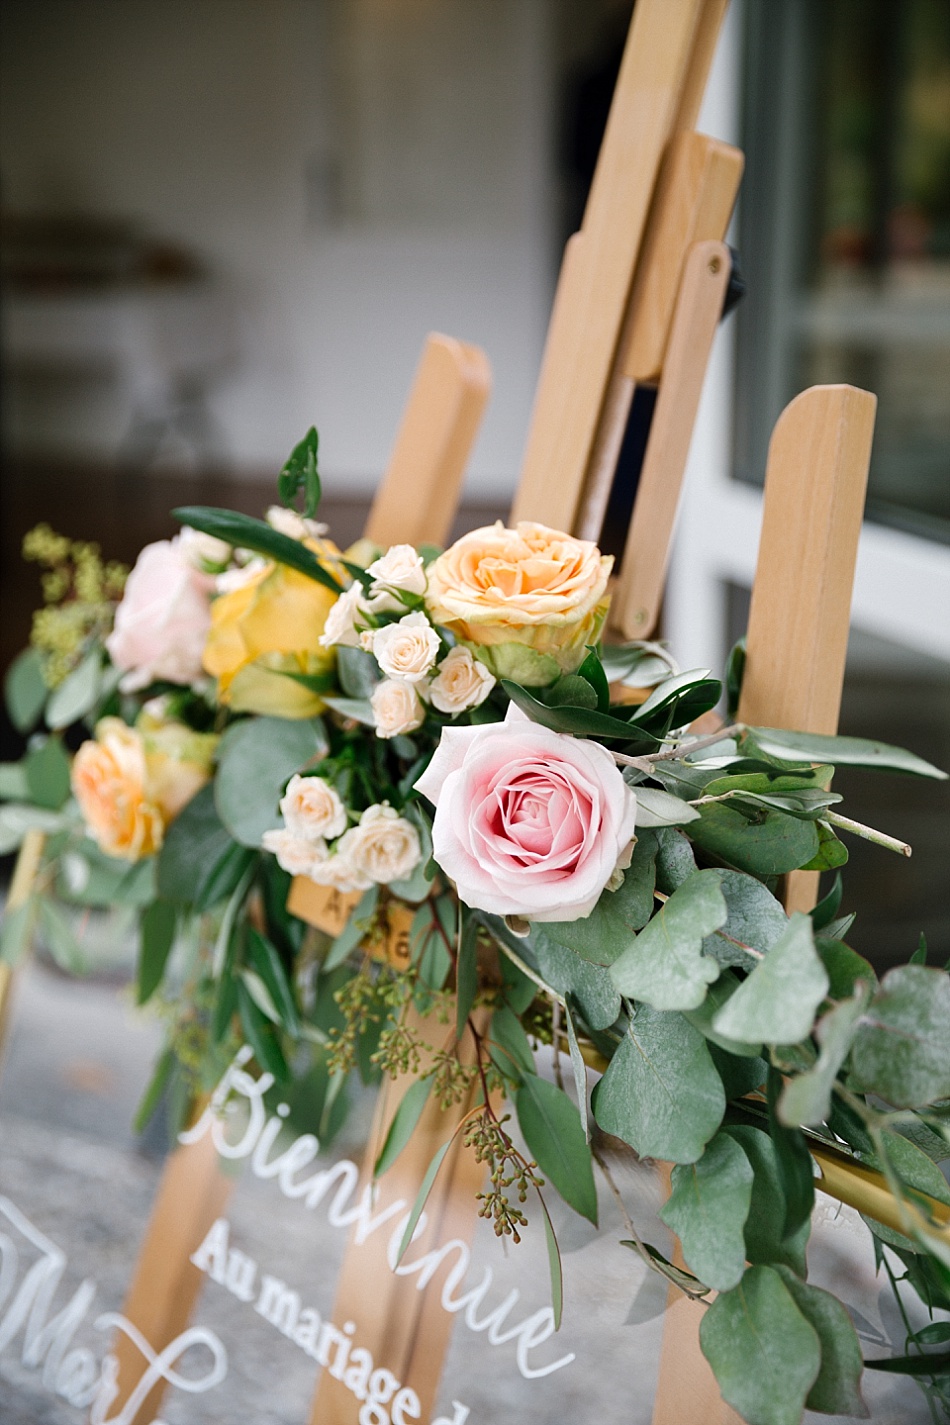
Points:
x=440, y=742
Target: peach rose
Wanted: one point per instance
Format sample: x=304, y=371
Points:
x=109, y=777
x=528, y=822
x=527, y=600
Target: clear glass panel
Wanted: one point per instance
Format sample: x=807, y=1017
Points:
x=845, y=233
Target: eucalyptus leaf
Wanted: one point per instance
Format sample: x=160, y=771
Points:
x=578, y=1070
x=47, y=774
x=840, y=751
x=837, y=1389
x=16, y=931
x=357, y=671
x=665, y=965
x=703, y=1015
x=756, y=921
x=793, y=1160
x=637, y=664
x=243, y=532
x=270, y=968
x=902, y=1048
x=256, y=758
x=674, y=859
x=421, y=1198
x=846, y=968
x=707, y=1210
x=765, y=1240
x=195, y=853
x=661, y=1092
x=658, y=808
x=259, y=993
x=764, y=1353
x=509, y=1044
x=60, y=939
x=769, y=843
x=13, y=783
x=806, y=1098
x=77, y=694
x=357, y=709
x=555, y=1137
x=609, y=929
x=777, y=1003
x=588, y=985
x=25, y=690
x=17, y=818
x=466, y=977
x=261, y=1034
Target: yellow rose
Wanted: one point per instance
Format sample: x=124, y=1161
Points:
x=264, y=629
x=130, y=782
x=109, y=778
x=527, y=600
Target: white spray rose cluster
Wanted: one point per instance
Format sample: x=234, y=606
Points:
x=381, y=848
x=406, y=649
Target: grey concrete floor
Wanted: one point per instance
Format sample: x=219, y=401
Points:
x=78, y=1058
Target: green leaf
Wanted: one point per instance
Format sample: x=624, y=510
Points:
x=60, y=939
x=765, y=844
x=572, y=691
x=157, y=936
x=846, y=968
x=756, y=921
x=674, y=860
x=515, y=1057
x=13, y=783
x=578, y=1070
x=357, y=709
x=777, y=1003
x=793, y=1161
x=403, y=1125
x=47, y=774
x=256, y=758
x=661, y=1092
x=832, y=852
x=25, y=690
x=900, y=1051
x=153, y=1093
x=466, y=978
x=243, y=532
x=764, y=1353
x=703, y=1016
x=357, y=671
x=840, y=751
x=593, y=670
x=678, y=701
x=806, y=1099
x=259, y=993
x=421, y=1199
x=555, y=1137
x=707, y=1210
x=554, y=1268
x=935, y=1363
x=261, y=1035
x=604, y=934
x=765, y=1240
x=300, y=473
x=837, y=1389
x=665, y=965
x=270, y=968
x=657, y=808
x=638, y=664
x=735, y=671
x=580, y=722
x=829, y=905
x=17, y=818
x=197, y=858
x=589, y=986
x=77, y=694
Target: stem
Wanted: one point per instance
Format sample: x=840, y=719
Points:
x=867, y=833
x=556, y=1043
x=682, y=750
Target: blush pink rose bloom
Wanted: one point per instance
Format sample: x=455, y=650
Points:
x=162, y=622
x=528, y=822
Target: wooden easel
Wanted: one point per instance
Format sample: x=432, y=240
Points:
x=416, y=502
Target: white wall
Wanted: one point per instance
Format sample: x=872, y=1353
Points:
x=291, y=142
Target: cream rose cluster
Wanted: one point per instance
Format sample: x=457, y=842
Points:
x=381, y=848
x=528, y=822
x=527, y=600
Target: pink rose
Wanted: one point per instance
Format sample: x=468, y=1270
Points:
x=163, y=619
x=528, y=822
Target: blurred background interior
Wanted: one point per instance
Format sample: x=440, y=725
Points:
x=224, y=220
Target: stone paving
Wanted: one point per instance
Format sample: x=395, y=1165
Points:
x=78, y=1059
